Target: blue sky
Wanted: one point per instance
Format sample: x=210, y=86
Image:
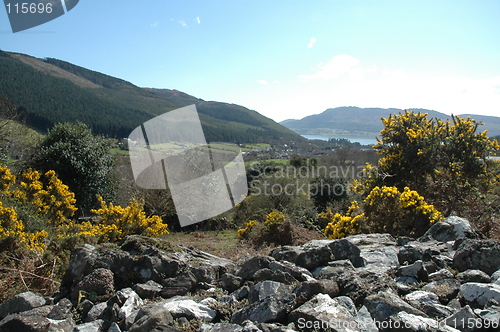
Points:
x=287, y=59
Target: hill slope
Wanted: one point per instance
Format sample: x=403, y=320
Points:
x=357, y=121
x=48, y=91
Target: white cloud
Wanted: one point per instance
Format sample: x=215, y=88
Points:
x=348, y=81
x=311, y=42
x=183, y=23
x=345, y=81
x=198, y=20
x=154, y=24
x=334, y=69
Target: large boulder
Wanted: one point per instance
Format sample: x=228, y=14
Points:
x=100, y=281
x=450, y=229
x=344, y=274
x=478, y=294
x=445, y=289
x=21, y=302
x=274, y=307
x=428, y=302
x=386, y=304
x=481, y=255
x=317, y=253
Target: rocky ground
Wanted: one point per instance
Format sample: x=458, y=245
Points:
x=447, y=280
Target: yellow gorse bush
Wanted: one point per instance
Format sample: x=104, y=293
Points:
x=52, y=200
x=7, y=179
x=340, y=225
x=129, y=220
x=386, y=210
x=244, y=232
x=274, y=218
x=11, y=226
x=407, y=213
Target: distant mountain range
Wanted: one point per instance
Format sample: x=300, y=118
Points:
x=355, y=121
x=48, y=91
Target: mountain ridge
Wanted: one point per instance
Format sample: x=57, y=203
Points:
x=357, y=121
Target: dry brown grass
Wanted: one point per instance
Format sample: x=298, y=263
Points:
x=27, y=272
x=226, y=244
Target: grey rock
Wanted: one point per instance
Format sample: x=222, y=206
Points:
x=376, y=281
x=62, y=325
x=252, y=265
x=481, y=255
x=179, y=285
x=100, y=281
x=276, y=327
x=404, y=321
x=495, y=277
x=407, y=280
x=473, y=276
x=451, y=229
x=276, y=275
x=478, y=294
x=61, y=310
x=385, y=304
x=323, y=312
x=150, y=317
x=17, y=323
x=306, y=290
x=429, y=303
x=114, y=327
x=490, y=316
x=299, y=273
x=286, y=253
x=415, y=270
x=378, y=252
x=39, y=311
x=349, y=282
x=221, y=327
x=129, y=309
x=95, y=326
x=267, y=288
x=96, y=312
x=315, y=253
x=464, y=320
x=347, y=303
x=21, y=302
x=269, y=309
x=249, y=326
x=365, y=321
x=139, y=260
x=441, y=274
x=241, y=293
x=445, y=289
x=344, y=249
x=148, y=290
x=182, y=306
x=410, y=253
x=231, y=282
x=84, y=307
x=443, y=261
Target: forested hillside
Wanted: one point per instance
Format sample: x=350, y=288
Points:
x=49, y=91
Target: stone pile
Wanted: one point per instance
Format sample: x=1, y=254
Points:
x=447, y=280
